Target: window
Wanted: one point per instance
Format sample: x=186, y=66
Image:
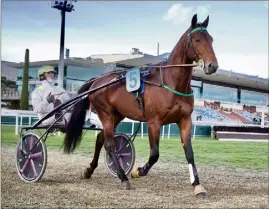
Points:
x=196, y=92
x=32, y=73
x=196, y=83
x=73, y=84
x=252, y=97
x=81, y=73
x=219, y=93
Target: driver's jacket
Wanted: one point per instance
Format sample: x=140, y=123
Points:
x=39, y=98
x=42, y=107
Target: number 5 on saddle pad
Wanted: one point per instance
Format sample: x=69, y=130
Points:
x=133, y=81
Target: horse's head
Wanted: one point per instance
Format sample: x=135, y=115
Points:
x=199, y=45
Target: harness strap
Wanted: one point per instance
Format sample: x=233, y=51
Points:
x=177, y=92
x=161, y=74
x=172, y=90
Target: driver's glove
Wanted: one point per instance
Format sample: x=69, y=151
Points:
x=50, y=98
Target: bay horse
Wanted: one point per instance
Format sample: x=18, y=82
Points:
x=171, y=102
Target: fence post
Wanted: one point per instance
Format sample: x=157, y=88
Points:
x=132, y=127
x=169, y=131
x=163, y=132
x=194, y=131
x=262, y=118
x=21, y=121
x=17, y=124
x=142, y=134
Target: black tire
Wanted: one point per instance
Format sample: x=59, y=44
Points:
x=126, y=154
x=31, y=168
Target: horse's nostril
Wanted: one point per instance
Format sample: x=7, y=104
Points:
x=213, y=66
x=216, y=66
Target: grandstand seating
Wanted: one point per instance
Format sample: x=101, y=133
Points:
x=240, y=117
x=211, y=112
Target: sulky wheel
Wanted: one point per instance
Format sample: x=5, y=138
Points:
x=125, y=153
x=31, y=167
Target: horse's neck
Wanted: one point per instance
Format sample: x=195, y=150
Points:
x=178, y=78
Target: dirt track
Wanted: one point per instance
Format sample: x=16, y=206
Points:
x=166, y=186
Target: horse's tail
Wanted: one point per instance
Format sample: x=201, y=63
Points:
x=77, y=120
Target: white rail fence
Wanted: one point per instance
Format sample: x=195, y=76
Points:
x=20, y=114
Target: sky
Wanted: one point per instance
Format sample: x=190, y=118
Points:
x=239, y=29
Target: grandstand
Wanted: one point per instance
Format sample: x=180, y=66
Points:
x=239, y=115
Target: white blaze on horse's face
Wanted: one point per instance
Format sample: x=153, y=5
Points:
x=200, y=42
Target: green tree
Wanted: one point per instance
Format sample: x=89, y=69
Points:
x=24, y=92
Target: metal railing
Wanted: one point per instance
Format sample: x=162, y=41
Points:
x=10, y=95
x=20, y=114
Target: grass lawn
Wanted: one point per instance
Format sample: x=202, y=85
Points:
x=248, y=155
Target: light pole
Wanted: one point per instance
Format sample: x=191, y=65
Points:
x=64, y=6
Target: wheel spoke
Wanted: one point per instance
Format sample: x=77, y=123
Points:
x=31, y=143
x=36, y=155
x=125, y=154
x=33, y=167
x=24, y=166
x=22, y=150
x=121, y=143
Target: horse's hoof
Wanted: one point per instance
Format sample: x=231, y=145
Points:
x=199, y=191
x=202, y=195
x=87, y=173
x=135, y=173
x=126, y=185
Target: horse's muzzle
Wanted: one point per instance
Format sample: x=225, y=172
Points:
x=211, y=68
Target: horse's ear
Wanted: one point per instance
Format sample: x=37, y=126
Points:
x=194, y=21
x=205, y=23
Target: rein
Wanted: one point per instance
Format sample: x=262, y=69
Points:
x=182, y=65
x=167, y=87
x=173, y=90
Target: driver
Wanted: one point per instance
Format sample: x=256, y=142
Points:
x=47, y=96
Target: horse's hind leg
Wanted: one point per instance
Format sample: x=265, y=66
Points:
x=98, y=146
x=110, y=119
x=185, y=126
x=154, y=137
x=93, y=165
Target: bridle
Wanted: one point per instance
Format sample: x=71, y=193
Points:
x=190, y=45
x=199, y=62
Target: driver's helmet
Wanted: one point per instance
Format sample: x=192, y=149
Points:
x=45, y=69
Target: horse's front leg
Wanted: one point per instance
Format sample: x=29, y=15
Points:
x=185, y=126
x=154, y=137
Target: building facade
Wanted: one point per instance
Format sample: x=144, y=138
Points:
x=225, y=86
x=10, y=73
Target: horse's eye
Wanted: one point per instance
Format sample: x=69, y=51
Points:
x=197, y=40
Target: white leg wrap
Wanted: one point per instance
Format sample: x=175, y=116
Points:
x=191, y=173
